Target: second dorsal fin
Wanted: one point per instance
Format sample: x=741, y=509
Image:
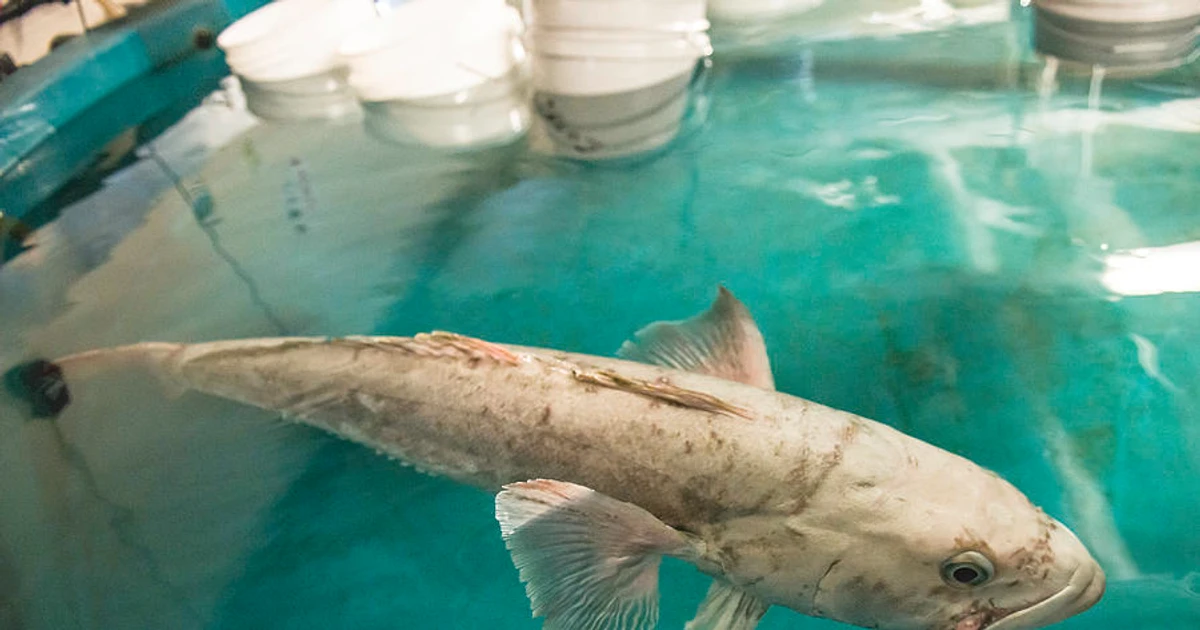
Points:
x=723, y=341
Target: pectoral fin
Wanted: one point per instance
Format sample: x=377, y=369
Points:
x=723, y=341
x=728, y=607
x=587, y=560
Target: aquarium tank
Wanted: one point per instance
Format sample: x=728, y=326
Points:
x=974, y=221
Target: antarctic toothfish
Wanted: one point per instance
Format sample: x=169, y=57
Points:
x=603, y=466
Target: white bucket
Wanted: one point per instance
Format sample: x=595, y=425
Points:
x=634, y=15
x=757, y=10
x=614, y=125
x=290, y=38
x=589, y=112
x=433, y=47
x=496, y=113
x=590, y=63
x=320, y=96
x=1123, y=11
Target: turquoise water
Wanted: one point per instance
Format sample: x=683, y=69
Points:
x=924, y=239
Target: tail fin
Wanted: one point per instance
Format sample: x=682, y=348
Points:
x=43, y=383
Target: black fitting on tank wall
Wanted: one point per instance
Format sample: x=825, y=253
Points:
x=41, y=384
x=1120, y=34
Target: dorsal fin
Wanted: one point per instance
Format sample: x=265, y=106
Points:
x=723, y=341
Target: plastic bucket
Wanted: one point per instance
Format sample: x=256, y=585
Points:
x=433, y=47
x=320, y=96
x=633, y=15
x=492, y=114
x=1123, y=11
x=757, y=10
x=1128, y=36
x=290, y=38
x=591, y=63
x=613, y=125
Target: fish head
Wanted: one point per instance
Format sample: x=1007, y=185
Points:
x=943, y=544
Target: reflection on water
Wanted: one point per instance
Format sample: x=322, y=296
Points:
x=1154, y=270
x=930, y=237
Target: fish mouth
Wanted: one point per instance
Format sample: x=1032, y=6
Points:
x=1084, y=588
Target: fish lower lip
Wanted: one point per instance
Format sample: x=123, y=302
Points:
x=1084, y=589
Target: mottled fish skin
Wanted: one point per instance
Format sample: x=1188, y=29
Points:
x=788, y=501
x=489, y=421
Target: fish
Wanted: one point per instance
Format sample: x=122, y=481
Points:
x=680, y=447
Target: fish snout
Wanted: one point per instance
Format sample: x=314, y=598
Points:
x=1084, y=588
x=1092, y=592
x=1071, y=570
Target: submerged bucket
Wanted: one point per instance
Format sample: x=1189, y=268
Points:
x=442, y=73
x=592, y=63
x=428, y=48
x=758, y=10
x=615, y=125
x=628, y=15
x=323, y=95
x=494, y=113
x=290, y=38
x=1120, y=34
x=612, y=78
x=286, y=56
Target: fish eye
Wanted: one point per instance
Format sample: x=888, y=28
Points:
x=969, y=568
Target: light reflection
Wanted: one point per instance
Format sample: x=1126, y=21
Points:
x=1154, y=270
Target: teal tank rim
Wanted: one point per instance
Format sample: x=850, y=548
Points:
x=59, y=112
